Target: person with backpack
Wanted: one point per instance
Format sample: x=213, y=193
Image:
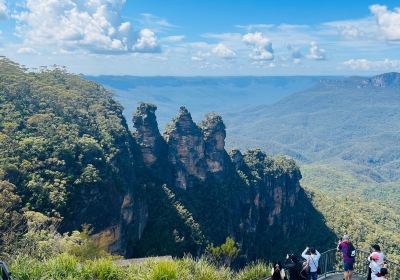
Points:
x=375, y=266
x=375, y=248
x=349, y=256
x=293, y=267
x=311, y=255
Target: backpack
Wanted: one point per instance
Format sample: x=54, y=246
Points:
x=351, y=251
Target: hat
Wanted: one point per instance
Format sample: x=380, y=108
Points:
x=346, y=237
x=374, y=256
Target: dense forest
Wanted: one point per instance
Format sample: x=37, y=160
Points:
x=65, y=151
x=369, y=212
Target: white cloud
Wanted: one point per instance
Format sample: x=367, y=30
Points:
x=388, y=21
x=224, y=36
x=316, y=52
x=27, y=50
x=3, y=10
x=155, y=23
x=223, y=51
x=200, y=56
x=362, y=30
x=147, y=42
x=262, y=46
x=253, y=27
x=92, y=26
x=173, y=39
x=365, y=64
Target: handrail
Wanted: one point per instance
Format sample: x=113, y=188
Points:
x=330, y=262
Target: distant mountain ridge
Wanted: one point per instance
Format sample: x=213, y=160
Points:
x=391, y=79
x=202, y=94
x=355, y=120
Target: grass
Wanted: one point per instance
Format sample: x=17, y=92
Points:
x=68, y=267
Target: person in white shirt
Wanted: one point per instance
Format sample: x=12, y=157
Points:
x=311, y=255
x=381, y=261
x=377, y=248
x=375, y=266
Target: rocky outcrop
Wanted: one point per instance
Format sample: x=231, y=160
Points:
x=214, y=137
x=186, y=149
x=147, y=134
x=253, y=197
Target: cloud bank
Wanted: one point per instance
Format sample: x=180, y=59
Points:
x=94, y=26
x=262, y=46
x=388, y=21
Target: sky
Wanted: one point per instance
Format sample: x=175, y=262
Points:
x=203, y=37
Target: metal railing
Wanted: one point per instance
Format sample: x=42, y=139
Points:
x=331, y=262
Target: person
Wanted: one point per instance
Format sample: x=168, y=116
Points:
x=277, y=272
x=384, y=274
x=375, y=266
x=348, y=260
x=311, y=255
x=380, y=261
x=293, y=267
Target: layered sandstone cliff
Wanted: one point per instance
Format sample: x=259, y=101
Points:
x=253, y=197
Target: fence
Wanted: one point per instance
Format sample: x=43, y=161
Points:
x=331, y=262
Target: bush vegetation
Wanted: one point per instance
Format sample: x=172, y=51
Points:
x=68, y=267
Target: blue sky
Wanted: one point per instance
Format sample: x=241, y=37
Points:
x=203, y=37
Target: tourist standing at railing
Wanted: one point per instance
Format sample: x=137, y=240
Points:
x=348, y=251
x=376, y=248
x=312, y=257
x=293, y=267
x=375, y=266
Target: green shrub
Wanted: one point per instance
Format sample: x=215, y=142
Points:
x=224, y=255
x=82, y=245
x=164, y=270
x=68, y=267
x=254, y=271
x=101, y=269
x=27, y=268
x=63, y=267
x=202, y=270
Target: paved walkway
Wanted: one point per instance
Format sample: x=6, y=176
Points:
x=340, y=277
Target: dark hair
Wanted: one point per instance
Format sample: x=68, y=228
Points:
x=376, y=247
x=312, y=250
x=293, y=258
x=384, y=271
x=277, y=274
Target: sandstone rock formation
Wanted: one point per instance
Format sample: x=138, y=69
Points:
x=253, y=197
x=147, y=134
